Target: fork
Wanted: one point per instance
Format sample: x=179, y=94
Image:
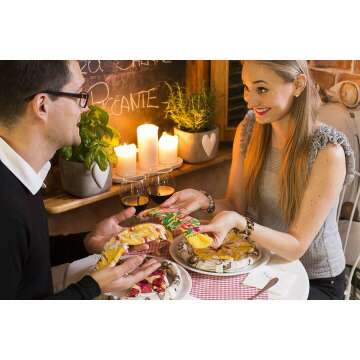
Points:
x=269, y=285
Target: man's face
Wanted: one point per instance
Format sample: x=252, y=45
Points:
x=65, y=112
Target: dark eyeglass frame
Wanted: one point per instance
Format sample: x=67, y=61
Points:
x=82, y=96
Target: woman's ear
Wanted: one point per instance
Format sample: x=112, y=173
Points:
x=299, y=84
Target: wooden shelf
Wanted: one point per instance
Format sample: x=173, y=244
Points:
x=61, y=202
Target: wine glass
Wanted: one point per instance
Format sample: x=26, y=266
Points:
x=135, y=196
x=160, y=185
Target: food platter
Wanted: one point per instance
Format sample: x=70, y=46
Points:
x=262, y=259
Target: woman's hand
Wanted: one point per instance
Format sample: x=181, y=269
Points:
x=94, y=241
x=124, y=276
x=186, y=201
x=221, y=224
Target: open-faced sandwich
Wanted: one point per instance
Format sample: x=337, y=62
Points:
x=135, y=235
x=234, y=254
x=172, y=220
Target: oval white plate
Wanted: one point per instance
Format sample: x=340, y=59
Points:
x=262, y=261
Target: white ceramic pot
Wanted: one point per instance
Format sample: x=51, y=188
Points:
x=80, y=182
x=198, y=147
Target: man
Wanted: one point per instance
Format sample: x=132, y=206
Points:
x=40, y=107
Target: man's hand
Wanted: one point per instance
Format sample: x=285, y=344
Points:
x=94, y=241
x=124, y=276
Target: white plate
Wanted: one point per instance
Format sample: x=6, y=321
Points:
x=186, y=283
x=141, y=173
x=265, y=256
x=185, y=279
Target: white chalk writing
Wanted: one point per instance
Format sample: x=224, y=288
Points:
x=91, y=67
x=95, y=66
x=119, y=104
x=137, y=64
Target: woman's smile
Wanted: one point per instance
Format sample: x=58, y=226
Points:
x=261, y=111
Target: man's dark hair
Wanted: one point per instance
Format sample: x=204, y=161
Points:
x=20, y=79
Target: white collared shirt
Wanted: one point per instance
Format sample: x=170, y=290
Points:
x=21, y=169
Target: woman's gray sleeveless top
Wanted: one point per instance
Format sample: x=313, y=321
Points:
x=325, y=256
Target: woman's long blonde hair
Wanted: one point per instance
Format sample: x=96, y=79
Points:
x=294, y=170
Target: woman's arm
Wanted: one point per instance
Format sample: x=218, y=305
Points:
x=322, y=193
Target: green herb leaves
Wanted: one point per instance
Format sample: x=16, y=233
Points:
x=190, y=112
x=98, y=140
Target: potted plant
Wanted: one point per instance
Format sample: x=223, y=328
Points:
x=85, y=169
x=193, y=115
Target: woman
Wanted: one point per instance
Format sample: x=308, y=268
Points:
x=287, y=172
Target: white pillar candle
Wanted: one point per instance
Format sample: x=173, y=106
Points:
x=147, y=139
x=168, y=147
x=126, y=156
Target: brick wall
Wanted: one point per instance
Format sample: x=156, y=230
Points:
x=327, y=73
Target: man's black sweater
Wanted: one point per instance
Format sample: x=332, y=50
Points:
x=26, y=250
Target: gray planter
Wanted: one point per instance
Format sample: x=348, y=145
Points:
x=80, y=182
x=198, y=147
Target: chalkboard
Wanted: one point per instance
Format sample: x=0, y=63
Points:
x=132, y=91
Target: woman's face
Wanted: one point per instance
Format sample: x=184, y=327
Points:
x=266, y=93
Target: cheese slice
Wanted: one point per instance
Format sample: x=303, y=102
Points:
x=111, y=254
x=234, y=247
x=199, y=241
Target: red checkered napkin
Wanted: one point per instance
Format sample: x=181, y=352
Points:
x=208, y=287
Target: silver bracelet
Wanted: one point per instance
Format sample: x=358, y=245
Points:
x=211, y=207
x=248, y=229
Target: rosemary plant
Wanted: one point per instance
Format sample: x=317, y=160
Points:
x=190, y=112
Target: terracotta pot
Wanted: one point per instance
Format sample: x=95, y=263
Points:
x=198, y=147
x=80, y=182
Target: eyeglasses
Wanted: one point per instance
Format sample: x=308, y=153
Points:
x=83, y=96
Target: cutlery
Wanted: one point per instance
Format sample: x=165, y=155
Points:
x=269, y=285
